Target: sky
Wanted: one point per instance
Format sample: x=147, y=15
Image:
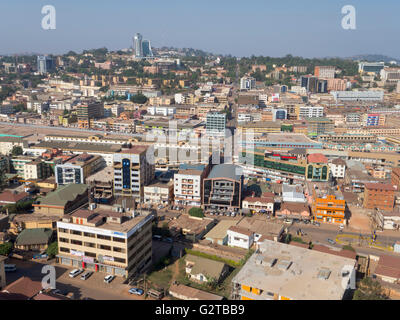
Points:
x=308, y=28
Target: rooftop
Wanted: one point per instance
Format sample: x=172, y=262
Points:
x=229, y=171
x=62, y=195
x=295, y=272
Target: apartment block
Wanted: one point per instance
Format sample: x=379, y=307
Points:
x=328, y=206
x=159, y=193
x=379, y=195
x=188, y=184
x=105, y=241
x=77, y=169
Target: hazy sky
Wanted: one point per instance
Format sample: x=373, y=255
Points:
x=309, y=28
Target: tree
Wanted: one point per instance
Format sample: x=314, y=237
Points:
x=16, y=151
x=370, y=289
x=52, y=249
x=5, y=248
x=196, y=212
x=139, y=98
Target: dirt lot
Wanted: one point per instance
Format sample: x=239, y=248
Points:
x=359, y=221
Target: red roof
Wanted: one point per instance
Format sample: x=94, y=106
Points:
x=388, y=266
x=317, y=158
x=11, y=197
x=380, y=186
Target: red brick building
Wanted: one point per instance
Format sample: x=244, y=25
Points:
x=379, y=195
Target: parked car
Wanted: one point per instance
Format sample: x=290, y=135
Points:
x=75, y=273
x=157, y=237
x=86, y=275
x=109, y=278
x=317, y=224
x=331, y=241
x=341, y=227
x=169, y=240
x=211, y=213
x=136, y=291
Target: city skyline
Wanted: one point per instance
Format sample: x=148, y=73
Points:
x=268, y=29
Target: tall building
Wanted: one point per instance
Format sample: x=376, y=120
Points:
x=138, y=45
x=310, y=83
x=328, y=206
x=45, y=64
x=216, y=124
x=89, y=111
x=311, y=112
x=375, y=67
x=325, y=72
x=133, y=169
x=247, y=83
x=146, y=48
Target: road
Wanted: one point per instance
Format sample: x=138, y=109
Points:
x=321, y=234
x=93, y=288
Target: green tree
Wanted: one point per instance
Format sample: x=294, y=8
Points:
x=16, y=151
x=52, y=249
x=370, y=289
x=196, y=212
x=5, y=248
x=139, y=98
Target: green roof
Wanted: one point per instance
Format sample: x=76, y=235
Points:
x=34, y=236
x=63, y=195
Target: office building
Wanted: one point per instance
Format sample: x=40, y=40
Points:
x=105, y=241
x=45, y=64
x=223, y=188
x=247, y=83
x=216, y=124
x=319, y=126
x=374, y=67
x=138, y=45
x=89, y=111
x=279, y=271
x=372, y=95
x=133, y=169
x=77, y=169
x=146, y=48
x=325, y=72
x=311, y=112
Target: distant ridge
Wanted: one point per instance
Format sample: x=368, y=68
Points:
x=374, y=58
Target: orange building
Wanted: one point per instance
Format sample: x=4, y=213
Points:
x=329, y=208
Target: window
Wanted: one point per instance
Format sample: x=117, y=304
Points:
x=78, y=233
x=76, y=242
x=99, y=236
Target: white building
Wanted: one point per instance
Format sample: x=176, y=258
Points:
x=371, y=95
x=293, y=193
x=188, y=184
x=161, y=111
x=247, y=83
x=311, y=112
x=240, y=237
x=159, y=193
x=338, y=168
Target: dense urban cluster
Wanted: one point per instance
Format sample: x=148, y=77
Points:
x=163, y=173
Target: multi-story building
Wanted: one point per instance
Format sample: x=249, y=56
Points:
x=247, y=83
x=317, y=167
x=337, y=84
x=37, y=169
x=216, y=124
x=325, y=72
x=133, y=169
x=223, y=188
x=379, y=196
x=105, y=241
x=391, y=75
x=159, y=193
x=328, y=206
x=374, y=67
x=89, y=111
x=338, y=168
x=77, y=169
x=279, y=271
x=188, y=184
x=311, y=112
x=395, y=177
x=319, y=126
x=45, y=64
x=363, y=96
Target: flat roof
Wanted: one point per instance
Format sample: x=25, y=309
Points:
x=298, y=273
x=288, y=137
x=78, y=146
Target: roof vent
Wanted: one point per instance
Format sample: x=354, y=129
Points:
x=324, y=274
